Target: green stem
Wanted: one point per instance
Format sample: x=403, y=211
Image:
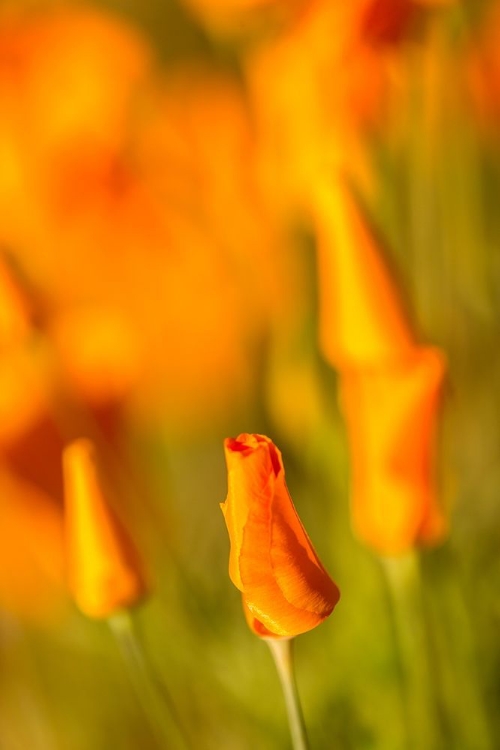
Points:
x=403, y=578
x=156, y=703
x=281, y=650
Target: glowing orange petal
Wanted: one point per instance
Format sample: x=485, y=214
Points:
x=361, y=315
x=103, y=572
x=391, y=418
x=272, y=560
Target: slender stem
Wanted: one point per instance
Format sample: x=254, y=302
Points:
x=403, y=577
x=281, y=649
x=156, y=703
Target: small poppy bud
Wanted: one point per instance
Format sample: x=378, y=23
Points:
x=286, y=590
x=362, y=318
x=104, y=575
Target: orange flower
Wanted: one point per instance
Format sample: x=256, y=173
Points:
x=272, y=561
x=104, y=574
x=243, y=17
x=482, y=70
x=31, y=550
x=98, y=353
x=362, y=319
x=135, y=215
x=391, y=419
x=314, y=89
x=390, y=386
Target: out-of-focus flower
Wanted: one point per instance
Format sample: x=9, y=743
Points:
x=99, y=354
x=390, y=386
x=483, y=70
x=321, y=86
x=391, y=413
x=31, y=550
x=136, y=213
x=30, y=444
x=24, y=393
x=362, y=320
x=324, y=86
x=386, y=21
x=312, y=87
x=67, y=80
x=244, y=18
x=272, y=562
x=103, y=568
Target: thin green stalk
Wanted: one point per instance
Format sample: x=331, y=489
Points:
x=404, y=584
x=281, y=650
x=156, y=703
x=456, y=654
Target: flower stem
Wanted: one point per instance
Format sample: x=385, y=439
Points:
x=156, y=703
x=403, y=578
x=281, y=649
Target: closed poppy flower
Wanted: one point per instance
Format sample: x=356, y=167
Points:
x=391, y=414
x=103, y=569
x=286, y=590
x=362, y=318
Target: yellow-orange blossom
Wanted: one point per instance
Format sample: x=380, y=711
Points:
x=103, y=569
x=286, y=590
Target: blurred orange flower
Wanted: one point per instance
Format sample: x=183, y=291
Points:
x=390, y=386
x=67, y=81
x=391, y=413
x=139, y=220
x=31, y=550
x=243, y=17
x=319, y=87
x=272, y=562
x=483, y=70
x=103, y=568
x=362, y=319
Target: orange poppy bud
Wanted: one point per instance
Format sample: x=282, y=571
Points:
x=272, y=562
x=104, y=574
x=391, y=420
x=362, y=319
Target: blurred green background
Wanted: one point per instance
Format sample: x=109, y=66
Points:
x=432, y=651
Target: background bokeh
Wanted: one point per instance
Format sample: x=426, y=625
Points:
x=159, y=291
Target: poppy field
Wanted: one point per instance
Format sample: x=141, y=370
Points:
x=249, y=375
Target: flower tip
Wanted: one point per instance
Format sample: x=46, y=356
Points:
x=103, y=567
x=235, y=445
x=247, y=444
x=81, y=450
